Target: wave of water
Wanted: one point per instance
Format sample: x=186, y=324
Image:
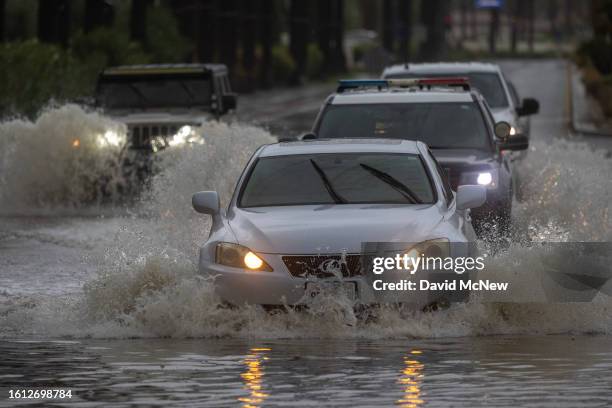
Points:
x=147, y=285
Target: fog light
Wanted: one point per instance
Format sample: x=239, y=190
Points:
x=484, y=179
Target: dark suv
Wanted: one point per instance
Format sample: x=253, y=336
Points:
x=453, y=120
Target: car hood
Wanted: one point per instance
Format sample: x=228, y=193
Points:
x=462, y=157
x=169, y=116
x=319, y=229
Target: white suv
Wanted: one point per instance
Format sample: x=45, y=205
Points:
x=487, y=78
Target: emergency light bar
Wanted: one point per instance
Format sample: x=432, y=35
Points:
x=421, y=83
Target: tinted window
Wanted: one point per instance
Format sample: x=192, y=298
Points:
x=153, y=93
x=347, y=178
x=488, y=84
x=440, y=125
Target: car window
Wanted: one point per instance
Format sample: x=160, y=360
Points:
x=337, y=178
x=440, y=125
x=487, y=83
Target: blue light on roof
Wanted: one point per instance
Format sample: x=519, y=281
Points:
x=345, y=84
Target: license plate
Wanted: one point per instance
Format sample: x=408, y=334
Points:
x=348, y=288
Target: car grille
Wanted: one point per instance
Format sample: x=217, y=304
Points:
x=141, y=134
x=323, y=266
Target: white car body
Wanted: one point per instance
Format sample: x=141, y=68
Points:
x=507, y=113
x=274, y=232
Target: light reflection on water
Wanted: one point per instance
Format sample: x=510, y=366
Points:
x=411, y=381
x=555, y=371
x=253, y=378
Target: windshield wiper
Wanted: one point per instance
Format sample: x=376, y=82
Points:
x=393, y=182
x=338, y=199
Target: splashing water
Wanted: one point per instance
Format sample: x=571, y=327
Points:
x=67, y=158
x=148, y=286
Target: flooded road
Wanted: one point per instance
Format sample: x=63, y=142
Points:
x=111, y=307
x=537, y=371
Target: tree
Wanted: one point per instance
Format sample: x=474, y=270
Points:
x=530, y=23
x=227, y=40
x=299, y=35
x=405, y=15
x=249, y=39
x=138, y=21
x=493, y=25
x=98, y=13
x=515, y=13
x=54, y=21
x=2, y=20
x=324, y=34
x=432, y=16
x=388, y=26
x=268, y=21
x=369, y=14
x=338, y=60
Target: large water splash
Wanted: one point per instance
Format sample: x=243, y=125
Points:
x=66, y=158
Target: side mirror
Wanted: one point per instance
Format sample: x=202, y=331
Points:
x=516, y=142
x=530, y=106
x=470, y=197
x=230, y=101
x=206, y=202
x=502, y=130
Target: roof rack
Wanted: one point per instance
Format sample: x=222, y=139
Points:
x=421, y=83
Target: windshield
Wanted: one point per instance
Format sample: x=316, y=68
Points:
x=153, y=93
x=488, y=84
x=337, y=178
x=440, y=125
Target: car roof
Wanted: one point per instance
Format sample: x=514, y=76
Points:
x=440, y=68
x=400, y=96
x=151, y=69
x=321, y=146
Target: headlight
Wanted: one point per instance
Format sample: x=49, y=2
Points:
x=186, y=134
x=110, y=138
x=435, y=248
x=484, y=179
x=512, y=131
x=238, y=256
x=487, y=178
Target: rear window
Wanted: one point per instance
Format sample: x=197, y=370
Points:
x=440, y=125
x=346, y=178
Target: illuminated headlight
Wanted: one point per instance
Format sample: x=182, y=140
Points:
x=487, y=178
x=484, y=179
x=512, y=131
x=186, y=134
x=238, y=256
x=110, y=138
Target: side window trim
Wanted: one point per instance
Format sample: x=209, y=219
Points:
x=446, y=188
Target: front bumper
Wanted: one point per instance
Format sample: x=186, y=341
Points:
x=239, y=286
